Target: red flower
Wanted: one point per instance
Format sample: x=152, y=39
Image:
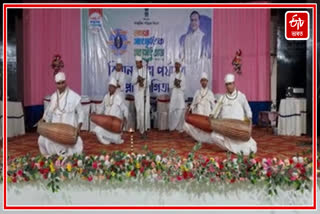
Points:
x=190, y=175
x=41, y=164
x=141, y=169
x=269, y=173
x=20, y=172
x=45, y=176
x=132, y=173
x=232, y=180
x=45, y=170
x=221, y=166
x=14, y=179
x=299, y=165
x=32, y=165
x=179, y=178
x=26, y=179
x=90, y=178
x=185, y=175
x=291, y=161
x=95, y=165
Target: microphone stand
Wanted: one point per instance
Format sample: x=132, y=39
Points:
x=145, y=101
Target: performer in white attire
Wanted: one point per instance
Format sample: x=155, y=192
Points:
x=64, y=107
x=177, y=85
x=112, y=105
x=232, y=105
x=203, y=100
x=119, y=76
x=141, y=80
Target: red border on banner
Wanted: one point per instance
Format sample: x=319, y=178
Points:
x=108, y=5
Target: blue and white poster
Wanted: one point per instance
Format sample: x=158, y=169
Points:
x=160, y=36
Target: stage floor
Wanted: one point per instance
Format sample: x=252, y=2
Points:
x=157, y=141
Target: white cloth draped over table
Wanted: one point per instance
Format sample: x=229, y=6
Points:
x=63, y=108
x=177, y=103
x=114, y=106
x=142, y=109
x=162, y=113
x=120, y=78
x=292, y=116
x=234, y=106
x=15, y=119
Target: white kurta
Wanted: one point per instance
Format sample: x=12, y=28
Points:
x=203, y=102
x=142, y=109
x=192, y=48
x=63, y=108
x=120, y=78
x=177, y=103
x=234, y=106
x=114, y=106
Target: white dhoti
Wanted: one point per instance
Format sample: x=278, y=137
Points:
x=107, y=137
x=176, y=119
x=49, y=147
x=221, y=141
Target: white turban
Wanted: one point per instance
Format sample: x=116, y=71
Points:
x=229, y=78
x=60, y=76
x=204, y=75
x=119, y=61
x=113, y=82
x=138, y=58
x=177, y=60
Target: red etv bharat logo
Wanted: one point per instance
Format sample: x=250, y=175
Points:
x=297, y=25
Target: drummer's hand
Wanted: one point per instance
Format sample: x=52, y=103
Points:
x=78, y=129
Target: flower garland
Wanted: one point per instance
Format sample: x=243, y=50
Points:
x=168, y=168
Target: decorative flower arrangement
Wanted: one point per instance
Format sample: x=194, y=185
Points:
x=168, y=168
x=237, y=62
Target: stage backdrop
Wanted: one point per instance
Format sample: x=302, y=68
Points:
x=159, y=36
x=91, y=40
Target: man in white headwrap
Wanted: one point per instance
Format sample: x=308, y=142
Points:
x=64, y=107
x=232, y=105
x=203, y=100
x=119, y=76
x=177, y=85
x=141, y=80
x=112, y=105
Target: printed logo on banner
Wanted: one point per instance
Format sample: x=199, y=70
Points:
x=297, y=25
x=118, y=41
x=95, y=20
x=145, y=44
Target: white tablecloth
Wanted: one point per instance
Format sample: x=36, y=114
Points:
x=163, y=112
x=141, y=193
x=85, y=102
x=292, y=116
x=15, y=119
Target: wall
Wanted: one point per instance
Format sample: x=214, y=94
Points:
x=47, y=32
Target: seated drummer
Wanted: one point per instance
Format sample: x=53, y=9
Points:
x=203, y=101
x=232, y=105
x=112, y=105
x=64, y=107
